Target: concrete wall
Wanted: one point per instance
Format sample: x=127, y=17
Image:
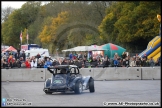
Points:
x=151, y=73
x=111, y=73
x=32, y=74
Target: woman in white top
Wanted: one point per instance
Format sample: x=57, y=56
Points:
x=133, y=62
x=34, y=63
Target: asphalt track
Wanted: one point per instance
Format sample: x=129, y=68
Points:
x=107, y=93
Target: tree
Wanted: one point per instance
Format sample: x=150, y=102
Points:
x=48, y=33
x=131, y=23
x=5, y=13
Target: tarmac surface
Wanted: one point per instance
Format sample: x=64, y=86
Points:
x=107, y=93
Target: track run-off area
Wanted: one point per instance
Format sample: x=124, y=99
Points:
x=107, y=93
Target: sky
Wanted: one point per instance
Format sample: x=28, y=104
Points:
x=14, y=4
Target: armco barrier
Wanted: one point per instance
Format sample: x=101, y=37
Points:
x=149, y=73
x=27, y=74
x=118, y=73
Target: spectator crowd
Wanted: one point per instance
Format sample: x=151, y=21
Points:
x=19, y=60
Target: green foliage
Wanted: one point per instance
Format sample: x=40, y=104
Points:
x=130, y=22
x=62, y=24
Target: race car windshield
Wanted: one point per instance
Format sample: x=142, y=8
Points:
x=62, y=71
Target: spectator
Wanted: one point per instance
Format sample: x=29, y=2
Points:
x=85, y=55
x=23, y=55
x=80, y=56
x=71, y=62
x=14, y=65
x=84, y=60
x=116, y=56
x=34, y=63
x=4, y=63
x=127, y=64
x=4, y=56
x=27, y=63
x=71, y=56
x=116, y=62
x=145, y=57
x=45, y=58
x=74, y=56
x=124, y=55
x=99, y=61
x=143, y=62
x=120, y=62
x=18, y=50
x=18, y=63
x=47, y=63
x=40, y=63
x=133, y=62
x=10, y=61
x=38, y=56
x=152, y=62
x=94, y=62
x=23, y=65
x=78, y=63
x=17, y=55
x=64, y=62
x=138, y=62
x=54, y=62
x=105, y=63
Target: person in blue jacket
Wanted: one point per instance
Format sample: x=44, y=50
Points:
x=47, y=63
x=116, y=62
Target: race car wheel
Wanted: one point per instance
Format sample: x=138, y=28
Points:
x=91, y=86
x=48, y=92
x=78, y=87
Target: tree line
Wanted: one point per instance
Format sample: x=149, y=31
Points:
x=66, y=24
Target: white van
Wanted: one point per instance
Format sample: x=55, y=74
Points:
x=34, y=52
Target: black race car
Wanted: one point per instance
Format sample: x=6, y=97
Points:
x=67, y=78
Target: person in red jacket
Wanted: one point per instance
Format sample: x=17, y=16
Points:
x=27, y=63
x=10, y=61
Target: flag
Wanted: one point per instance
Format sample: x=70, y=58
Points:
x=21, y=36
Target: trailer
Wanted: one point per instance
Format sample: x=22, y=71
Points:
x=29, y=47
x=34, y=52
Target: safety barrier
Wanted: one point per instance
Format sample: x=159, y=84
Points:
x=117, y=73
x=110, y=73
x=32, y=74
x=151, y=73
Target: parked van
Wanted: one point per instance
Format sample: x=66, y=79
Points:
x=34, y=52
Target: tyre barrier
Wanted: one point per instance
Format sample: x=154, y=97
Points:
x=110, y=73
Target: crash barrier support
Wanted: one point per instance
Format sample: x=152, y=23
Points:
x=110, y=73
